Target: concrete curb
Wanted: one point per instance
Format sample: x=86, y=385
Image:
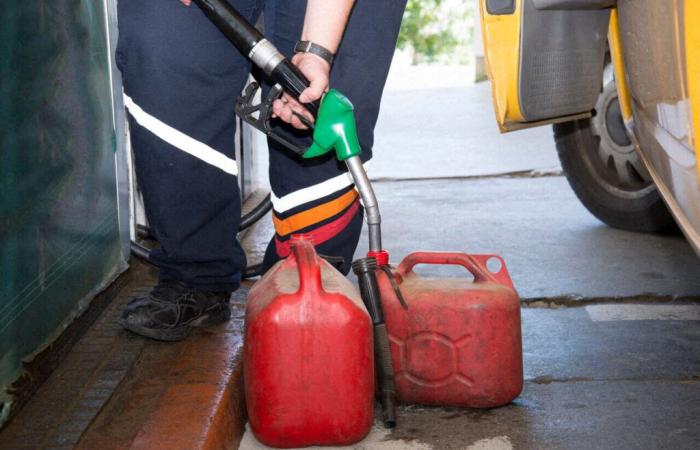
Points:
x=186, y=395
x=196, y=416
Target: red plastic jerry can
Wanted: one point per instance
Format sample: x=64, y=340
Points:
x=458, y=342
x=308, y=365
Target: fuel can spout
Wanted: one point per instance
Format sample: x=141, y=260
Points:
x=365, y=270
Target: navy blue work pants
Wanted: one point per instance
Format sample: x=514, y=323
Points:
x=181, y=79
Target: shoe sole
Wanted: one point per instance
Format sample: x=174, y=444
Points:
x=178, y=333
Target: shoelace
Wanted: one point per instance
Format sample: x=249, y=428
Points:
x=178, y=305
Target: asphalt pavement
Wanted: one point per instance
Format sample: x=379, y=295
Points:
x=452, y=132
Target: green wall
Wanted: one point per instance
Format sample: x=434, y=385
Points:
x=59, y=235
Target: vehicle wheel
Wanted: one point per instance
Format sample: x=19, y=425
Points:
x=604, y=170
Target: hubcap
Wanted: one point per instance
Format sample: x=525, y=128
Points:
x=618, y=163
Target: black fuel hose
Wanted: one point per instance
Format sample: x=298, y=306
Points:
x=140, y=251
x=254, y=46
x=239, y=31
x=255, y=214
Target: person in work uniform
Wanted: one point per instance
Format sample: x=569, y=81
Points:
x=181, y=79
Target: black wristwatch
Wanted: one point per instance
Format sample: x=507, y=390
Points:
x=318, y=50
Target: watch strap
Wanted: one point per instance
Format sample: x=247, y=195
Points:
x=318, y=50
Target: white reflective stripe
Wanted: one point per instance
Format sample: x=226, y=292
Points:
x=179, y=139
x=311, y=193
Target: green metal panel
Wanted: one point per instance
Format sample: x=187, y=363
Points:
x=59, y=235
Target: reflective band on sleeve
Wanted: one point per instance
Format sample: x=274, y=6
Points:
x=180, y=140
x=311, y=193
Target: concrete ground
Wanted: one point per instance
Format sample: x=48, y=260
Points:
x=611, y=322
x=553, y=247
x=452, y=132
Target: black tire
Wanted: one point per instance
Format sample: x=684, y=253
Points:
x=629, y=205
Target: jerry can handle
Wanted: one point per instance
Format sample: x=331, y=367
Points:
x=475, y=264
x=308, y=264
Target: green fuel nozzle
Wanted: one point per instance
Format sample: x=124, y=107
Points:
x=335, y=128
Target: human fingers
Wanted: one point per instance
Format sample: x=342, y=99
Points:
x=289, y=110
x=317, y=71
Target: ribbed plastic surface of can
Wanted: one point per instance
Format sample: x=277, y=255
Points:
x=308, y=360
x=458, y=342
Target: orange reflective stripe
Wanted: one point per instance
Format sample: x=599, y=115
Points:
x=314, y=215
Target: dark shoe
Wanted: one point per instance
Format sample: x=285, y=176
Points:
x=172, y=308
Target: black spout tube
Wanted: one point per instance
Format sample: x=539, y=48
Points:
x=239, y=31
x=369, y=290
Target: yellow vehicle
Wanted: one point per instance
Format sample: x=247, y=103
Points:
x=620, y=81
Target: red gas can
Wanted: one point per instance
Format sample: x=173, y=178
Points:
x=307, y=361
x=458, y=341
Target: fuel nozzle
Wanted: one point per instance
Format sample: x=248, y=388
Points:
x=335, y=128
